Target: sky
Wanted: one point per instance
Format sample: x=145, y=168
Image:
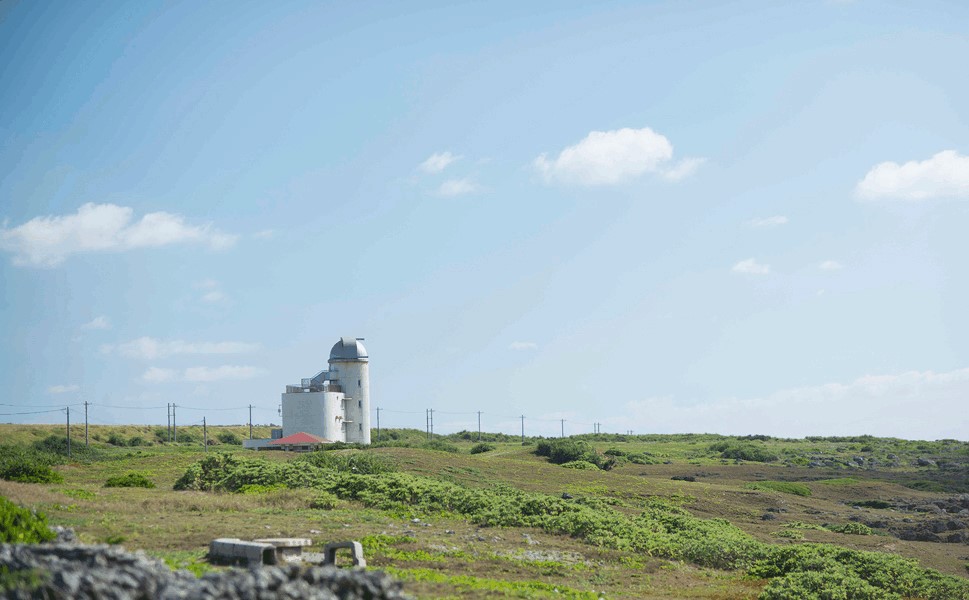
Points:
x=658, y=217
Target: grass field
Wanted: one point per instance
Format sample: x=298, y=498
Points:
x=756, y=492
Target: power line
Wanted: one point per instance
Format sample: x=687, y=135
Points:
x=35, y=412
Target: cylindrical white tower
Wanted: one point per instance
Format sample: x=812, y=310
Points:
x=350, y=368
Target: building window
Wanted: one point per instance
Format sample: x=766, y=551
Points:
x=360, y=426
x=358, y=383
x=359, y=403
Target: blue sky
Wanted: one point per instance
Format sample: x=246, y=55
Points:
x=737, y=217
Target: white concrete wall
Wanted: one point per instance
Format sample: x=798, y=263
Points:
x=354, y=379
x=315, y=413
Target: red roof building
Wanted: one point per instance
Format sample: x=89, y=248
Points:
x=298, y=442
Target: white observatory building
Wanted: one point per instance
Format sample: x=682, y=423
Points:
x=334, y=404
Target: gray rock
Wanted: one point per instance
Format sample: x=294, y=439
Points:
x=74, y=571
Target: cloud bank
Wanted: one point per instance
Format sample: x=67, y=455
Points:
x=148, y=348
x=912, y=405
x=202, y=374
x=614, y=157
x=945, y=175
x=49, y=241
x=438, y=161
x=751, y=267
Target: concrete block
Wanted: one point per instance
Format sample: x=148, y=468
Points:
x=356, y=551
x=233, y=550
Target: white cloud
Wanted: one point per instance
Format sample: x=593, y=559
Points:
x=831, y=265
x=613, y=157
x=63, y=389
x=682, y=169
x=48, y=241
x=456, y=187
x=158, y=375
x=201, y=374
x=522, y=346
x=100, y=322
x=945, y=175
x=438, y=161
x=213, y=297
x=265, y=234
x=912, y=405
x=148, y=348
x=751, y=267
x=774, y=221
x=223, y=373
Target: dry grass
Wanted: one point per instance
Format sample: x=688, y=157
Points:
x=164, y=521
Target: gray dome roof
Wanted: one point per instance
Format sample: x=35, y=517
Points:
x=348, y=348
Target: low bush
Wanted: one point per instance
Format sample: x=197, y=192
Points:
x=130, y=479
x=27, y=465
x=482, y=447
x=363, y=463
x=786, y=487
x=567, y=450
x=227, y=437
x=22, y=526
x=324, y=501
x=852, y=528
x=117, y=440
x=743, y=451
x=581, y=465
x=440, y=446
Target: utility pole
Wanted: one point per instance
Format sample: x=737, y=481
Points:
x=378, y=423
x=174, y=427
x=523, y=429
x=68, y=432
x=85, y=424
x=427, y=423
x=250, y=421
x=168, y=416
x=479, y=425
x=563, y=427
x=432, y=421
x=205, y=435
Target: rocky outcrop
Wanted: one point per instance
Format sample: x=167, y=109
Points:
x=67, y=570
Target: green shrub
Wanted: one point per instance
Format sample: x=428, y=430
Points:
x=130, y=479
x=21, y=526
x=324, y=501
x=482, y=447
x=363, y=463
x=255, y=489
x=743, y=451
x=138, y=441
x=28, y=465
x=641, y=459
x=227, y=437
x=117, y=440
x=566, y=450
x=786, y=487
x=853, y=529
x=581, y=465
x=440, y=446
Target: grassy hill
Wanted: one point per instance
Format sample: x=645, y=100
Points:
x=653, y=516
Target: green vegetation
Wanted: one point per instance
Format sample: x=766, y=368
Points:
x=743, y=451
x=22, y=526
x=852, y=528
x=785, y=487
x=515, y=524
x=131, y=479
x=481, y=448
x=27, y=465
x=228, y=437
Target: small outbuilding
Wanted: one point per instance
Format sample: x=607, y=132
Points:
x=298, y=442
